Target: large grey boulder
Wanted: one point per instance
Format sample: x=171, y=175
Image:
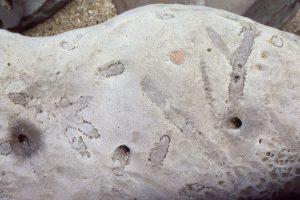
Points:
x=18, y=15
x=235, y=6
x=161, y=102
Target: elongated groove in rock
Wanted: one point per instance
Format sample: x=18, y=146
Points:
x=218, y=41
x=238, y=60
x=194, y=191
x=177, y=118
x=75, y=139
x=113, y=69
x=159, y=152
x=207, y=85
x=166, y=16
x=88, y=129
x=153, y=91
x=159, y=98
x=79, y=145
x=18, y=98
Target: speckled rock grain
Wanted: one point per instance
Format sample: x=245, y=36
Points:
x=107, y=112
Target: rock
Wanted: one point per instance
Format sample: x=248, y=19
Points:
x=24, y=14
x=10, y=14
x=31, y=6
x=235, y=6
x=161, y=102
x=45, y=10
x=124, y=5
x=273, y=13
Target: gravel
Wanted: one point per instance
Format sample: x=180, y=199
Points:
x=83, y=13
x=293, y=25
x=76, y=14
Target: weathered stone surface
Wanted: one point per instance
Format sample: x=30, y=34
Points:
x=162, y=102
x=124, y=5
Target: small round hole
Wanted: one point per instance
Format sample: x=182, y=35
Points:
x=22, y=139
x=123, y=150
x=209, y=50
x=235, y=123
x=236, y=78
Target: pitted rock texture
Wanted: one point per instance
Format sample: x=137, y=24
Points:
x=161, y=102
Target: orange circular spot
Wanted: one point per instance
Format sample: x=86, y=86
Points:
x=177, y=57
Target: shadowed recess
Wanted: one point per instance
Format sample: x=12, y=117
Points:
x=25, y=138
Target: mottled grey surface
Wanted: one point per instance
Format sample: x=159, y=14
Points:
x=161, y=102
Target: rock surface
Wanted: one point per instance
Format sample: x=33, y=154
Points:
x=161, y=102
x=273, y=13
x=124, y=5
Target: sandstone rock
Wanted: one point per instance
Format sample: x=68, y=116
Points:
x=161, y=102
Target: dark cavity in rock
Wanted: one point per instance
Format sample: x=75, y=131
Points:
x=25, y=138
